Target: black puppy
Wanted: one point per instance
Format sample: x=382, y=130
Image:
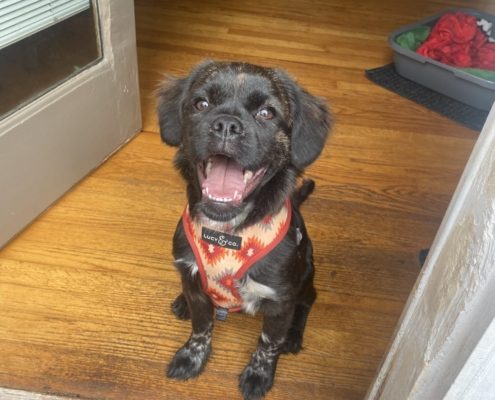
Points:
x=244, y=133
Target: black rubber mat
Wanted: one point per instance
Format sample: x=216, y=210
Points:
x=462, y=113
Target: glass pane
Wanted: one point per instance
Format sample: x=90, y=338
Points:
x=31, y=67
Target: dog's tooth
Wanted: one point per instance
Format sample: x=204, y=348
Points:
x=209, y=165
x=248, y=175
x=237, y=195
x=219, y=199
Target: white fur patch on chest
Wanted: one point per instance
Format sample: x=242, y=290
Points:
x=252, y=293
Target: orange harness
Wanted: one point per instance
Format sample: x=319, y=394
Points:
x=224, y=258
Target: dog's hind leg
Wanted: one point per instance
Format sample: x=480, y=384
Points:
x=180, y=308
x=293, y=341
x=304, y=302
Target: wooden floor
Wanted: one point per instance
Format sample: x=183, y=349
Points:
x=85, y=290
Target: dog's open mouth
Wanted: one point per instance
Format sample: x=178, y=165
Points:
x=223, y=180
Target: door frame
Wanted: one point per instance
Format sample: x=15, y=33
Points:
x=52, y=143
x=444, y=344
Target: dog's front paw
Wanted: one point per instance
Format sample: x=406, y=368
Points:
x=189, y=361
x=256, y=381
x=180, y=308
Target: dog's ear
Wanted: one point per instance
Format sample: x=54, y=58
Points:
x=311, y=122
x=170, y=95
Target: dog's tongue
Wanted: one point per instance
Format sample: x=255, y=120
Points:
x=225, y=179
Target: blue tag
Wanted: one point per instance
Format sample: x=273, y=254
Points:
x=221, y=313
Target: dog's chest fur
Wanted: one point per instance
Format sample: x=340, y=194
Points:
x=251, y=292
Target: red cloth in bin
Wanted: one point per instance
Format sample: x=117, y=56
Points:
x=457, y=40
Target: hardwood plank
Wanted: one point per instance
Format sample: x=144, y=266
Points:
x=85, y=291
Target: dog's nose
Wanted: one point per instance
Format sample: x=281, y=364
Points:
x=226, y=126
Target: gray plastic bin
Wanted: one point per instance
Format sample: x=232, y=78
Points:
x=440, y=77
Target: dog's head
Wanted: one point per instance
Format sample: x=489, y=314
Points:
x=244, y=133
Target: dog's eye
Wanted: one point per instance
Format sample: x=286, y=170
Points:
x=265, y=113
x=201, y=105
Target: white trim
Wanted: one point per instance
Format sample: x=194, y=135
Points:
x=452, y=304
x=477, y=378
x=12, y=394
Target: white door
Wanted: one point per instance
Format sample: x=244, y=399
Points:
x=444, y=346
x=53, y=142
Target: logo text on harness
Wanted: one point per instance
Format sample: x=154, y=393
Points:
x=221, y=239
